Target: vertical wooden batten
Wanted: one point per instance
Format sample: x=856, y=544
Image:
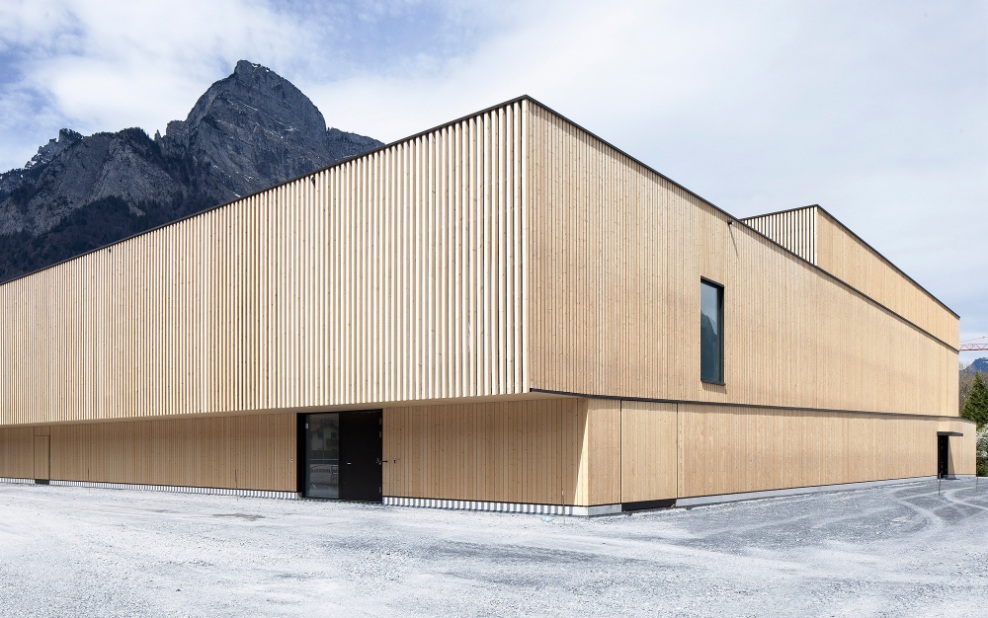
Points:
x=535, y=452
x=396, y=276
x=236, y=452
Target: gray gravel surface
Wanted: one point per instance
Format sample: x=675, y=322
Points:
x=894, y=551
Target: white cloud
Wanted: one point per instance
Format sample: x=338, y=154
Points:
x=103, y=66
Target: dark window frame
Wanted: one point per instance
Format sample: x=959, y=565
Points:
x=720, y=330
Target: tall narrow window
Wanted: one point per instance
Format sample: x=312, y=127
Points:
x=711, y=332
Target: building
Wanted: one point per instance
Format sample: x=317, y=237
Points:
x=504, y=312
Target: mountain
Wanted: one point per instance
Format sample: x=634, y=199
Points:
x=980, y=365
x=248, y=131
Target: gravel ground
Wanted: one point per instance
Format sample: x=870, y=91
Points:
x=895, y=551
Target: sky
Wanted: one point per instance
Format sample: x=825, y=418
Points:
x=876, y=110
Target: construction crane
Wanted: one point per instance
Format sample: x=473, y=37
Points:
x=974, y=347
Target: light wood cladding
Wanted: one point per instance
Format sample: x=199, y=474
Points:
x=649, y=451
x=793, y=229
x=593, y=452
x=599, y=475
x=730, y=450
x=569, y=451
x=846, y=256
x=395, y=276
x=616, y=257
x=526, y=451
x=17, y=452
x=236, y=452
x=42, y=461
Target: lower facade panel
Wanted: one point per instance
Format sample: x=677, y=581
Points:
x=251, y=452
x=736, y=450
x=566, y=455
x=526, y=452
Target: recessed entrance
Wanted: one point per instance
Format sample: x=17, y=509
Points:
x=342, y=452
x=943, y=456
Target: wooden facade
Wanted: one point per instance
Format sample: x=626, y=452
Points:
x=396, y=276
x=564, y=451
x=849, y=258
x=617, y=255
x=520, y=298
x=816, y=236
x=506, y=452
x=794, y=229
x=238, y=452
x=592, y=452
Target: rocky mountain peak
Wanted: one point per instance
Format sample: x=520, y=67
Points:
x=65, y=139
x=254, y=93
x=253, y=125
x=979, y=365
x=248, y=131
x=246, y=67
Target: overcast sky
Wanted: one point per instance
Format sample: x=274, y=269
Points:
x=876, y=110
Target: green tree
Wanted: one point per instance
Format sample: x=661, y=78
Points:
x=966, y=380
x=976, y=404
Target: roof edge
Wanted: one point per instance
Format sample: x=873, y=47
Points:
x=886, y=260
x=332, y=165
x=782, y=212
x=439, y=127
x=742, y=221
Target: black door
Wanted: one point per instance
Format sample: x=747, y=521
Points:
x=320, y=445
x=340, y=455
x=360, y=456
x=943, y=456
